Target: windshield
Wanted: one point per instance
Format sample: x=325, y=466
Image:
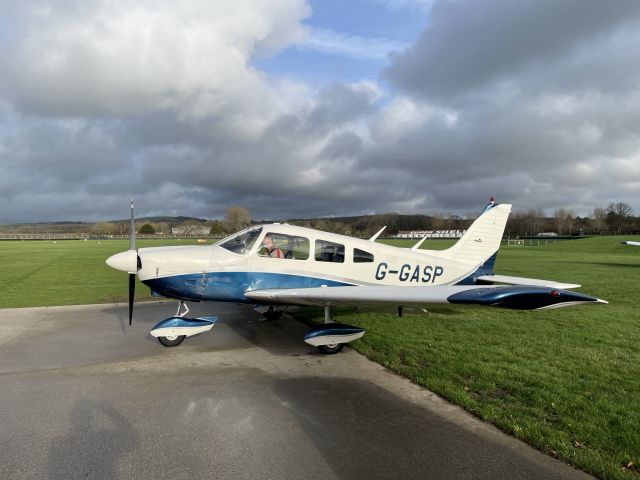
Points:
x=242, y=242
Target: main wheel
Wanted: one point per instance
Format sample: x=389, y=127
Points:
x=171, y=341
x=272, y=314
x=331, y=348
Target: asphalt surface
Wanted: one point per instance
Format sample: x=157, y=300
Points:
x=83, y=395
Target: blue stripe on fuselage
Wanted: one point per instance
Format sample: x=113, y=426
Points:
x=230, y=286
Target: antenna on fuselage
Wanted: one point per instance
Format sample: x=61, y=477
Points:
x=417, y=245
x=373, y=239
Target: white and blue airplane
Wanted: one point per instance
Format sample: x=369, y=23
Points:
x=630, y=242
x=312, y=267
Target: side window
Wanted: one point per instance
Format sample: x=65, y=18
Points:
x=329, y=252
x=360, y=256
x=279, y=245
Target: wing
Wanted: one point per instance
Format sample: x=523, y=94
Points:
x=516, y=297
x=506, y=279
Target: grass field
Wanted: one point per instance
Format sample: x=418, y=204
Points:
x=566, y=381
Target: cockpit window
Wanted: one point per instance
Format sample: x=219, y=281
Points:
x=242, y=242
x=280, y=245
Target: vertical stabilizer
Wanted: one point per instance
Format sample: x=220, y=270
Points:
x=483, y=237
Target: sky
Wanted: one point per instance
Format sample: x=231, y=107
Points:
x=306, y=108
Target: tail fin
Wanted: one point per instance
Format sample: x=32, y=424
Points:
x=482, y=239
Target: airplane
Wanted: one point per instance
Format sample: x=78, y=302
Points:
x=631, y=242
x=324, y=269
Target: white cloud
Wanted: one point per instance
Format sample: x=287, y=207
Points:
x=423, y=5
x=328, y=41
x=126, y=57
x=403, y=116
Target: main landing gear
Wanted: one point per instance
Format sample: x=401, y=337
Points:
x=331, y=337
x=329, y=348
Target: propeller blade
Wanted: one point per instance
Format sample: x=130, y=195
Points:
x=132, y=230
x=132, y=292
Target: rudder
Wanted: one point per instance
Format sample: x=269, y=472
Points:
x=482, y=239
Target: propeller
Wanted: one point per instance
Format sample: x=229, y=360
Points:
x=129, y=262
x=132, y=292
x=132, y=276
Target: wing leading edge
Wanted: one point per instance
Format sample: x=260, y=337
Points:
x=514, y=297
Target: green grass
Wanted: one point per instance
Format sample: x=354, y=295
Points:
x=69, y=272
x=566, y=381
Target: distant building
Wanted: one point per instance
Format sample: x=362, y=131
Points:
x=191, y=230
x=415, y=234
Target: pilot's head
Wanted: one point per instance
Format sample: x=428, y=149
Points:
x=267, y=241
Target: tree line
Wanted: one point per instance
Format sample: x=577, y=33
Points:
x=615, y=218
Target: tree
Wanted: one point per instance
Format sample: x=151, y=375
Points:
x=563, y=219
x=104, y=228
x=535, y=218
x=147, y=229
x=569, y=221
x=437, y=221
x=558, y=219
x=217, y=228
x=598, y=219
x=618, y=215
x=516, y=223
x=236, y=218
x=162, y=227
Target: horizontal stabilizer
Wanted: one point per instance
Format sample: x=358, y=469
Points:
x=522, y=298
x=508, y=280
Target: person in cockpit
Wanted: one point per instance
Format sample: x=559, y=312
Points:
x=270, y=249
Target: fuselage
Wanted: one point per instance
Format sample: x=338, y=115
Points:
x=312, y=258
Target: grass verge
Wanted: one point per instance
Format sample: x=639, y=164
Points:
x=565, y=381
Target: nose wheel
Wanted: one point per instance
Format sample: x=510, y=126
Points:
x=171, y=340
x=175, y=340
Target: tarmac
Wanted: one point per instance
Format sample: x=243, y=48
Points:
x=83, y=395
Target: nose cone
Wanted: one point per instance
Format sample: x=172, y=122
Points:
x=125, y=261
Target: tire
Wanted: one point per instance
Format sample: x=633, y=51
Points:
x=171, y=341
x=330, y=349
x=272, y=314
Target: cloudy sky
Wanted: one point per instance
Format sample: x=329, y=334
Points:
x=299, y=108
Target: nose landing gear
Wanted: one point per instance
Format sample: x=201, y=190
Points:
x=172, y=331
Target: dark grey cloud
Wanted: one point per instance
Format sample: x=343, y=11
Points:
x=534, y=102
x=543, y=97
x=468, y=45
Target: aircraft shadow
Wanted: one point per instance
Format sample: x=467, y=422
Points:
x=98, y=436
